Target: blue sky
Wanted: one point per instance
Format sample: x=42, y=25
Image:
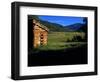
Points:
x=63, y=20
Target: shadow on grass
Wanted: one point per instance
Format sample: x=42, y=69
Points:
x=71, y=56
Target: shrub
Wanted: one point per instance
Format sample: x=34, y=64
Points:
x=76, y=37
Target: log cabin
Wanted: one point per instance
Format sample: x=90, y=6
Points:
x=40, y=34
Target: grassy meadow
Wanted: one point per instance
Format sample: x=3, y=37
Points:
x=63, y=40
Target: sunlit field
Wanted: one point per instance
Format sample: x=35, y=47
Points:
x=63, y=40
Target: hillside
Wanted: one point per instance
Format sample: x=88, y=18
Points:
x=75, y=26
x=54, y=27
x=51, y=26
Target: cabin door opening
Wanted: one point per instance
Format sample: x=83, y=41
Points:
x=41, y=38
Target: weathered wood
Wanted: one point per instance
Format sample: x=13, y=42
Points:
x=40, y=34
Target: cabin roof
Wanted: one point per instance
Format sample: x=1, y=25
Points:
x=40, y=25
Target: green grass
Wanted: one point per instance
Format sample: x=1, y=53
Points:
x=63, y=36
x=62, y=40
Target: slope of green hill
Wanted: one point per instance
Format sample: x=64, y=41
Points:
x=51, y=26
x=54, y=26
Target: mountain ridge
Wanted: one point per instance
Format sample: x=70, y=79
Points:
x=58, y=27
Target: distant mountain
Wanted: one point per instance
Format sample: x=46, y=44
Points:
x=75, y=26
x=54, y=26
